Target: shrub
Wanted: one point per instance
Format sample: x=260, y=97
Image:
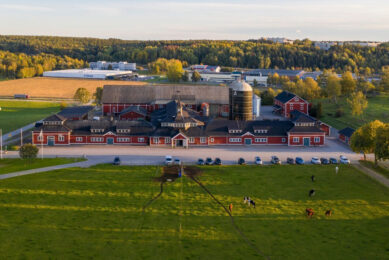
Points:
x=63, y=105
x=28, y=151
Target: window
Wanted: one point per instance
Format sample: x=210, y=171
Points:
x=141, y=140
x=212, y=140
x=283, y=140
x=296, y=139
x=235, y=140
x=260, y=131
x=61, y=138
x=123, y=140
x=261, y=140
x=78, y=139
x=291, y=106
x=97, y=139
x=317, y=140
x=156, y=140
x=167, y=140
x=235, y=131
x=40, y=138
x=191, y=140
x=301, y=106
x=203, y=140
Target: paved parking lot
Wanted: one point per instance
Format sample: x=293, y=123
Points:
x=131, y=155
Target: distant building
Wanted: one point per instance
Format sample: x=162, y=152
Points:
x=261, y=75
x=205, y=68
x=279, y=40
x=216, y=77
x=87, y=74
x=105, y=65
x=345, y=135
x=286, y=102
x=325, y=45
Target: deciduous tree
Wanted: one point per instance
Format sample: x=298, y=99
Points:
x=28, y=151
x=196, y=76
x=358, y=103
x=82, y=95
x=348, y=83
x=382, y=143
x=333, y=87
x=98, y=95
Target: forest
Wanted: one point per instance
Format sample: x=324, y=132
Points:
x=243, y=54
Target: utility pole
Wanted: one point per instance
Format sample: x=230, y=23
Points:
x=21, y=137
x=41, y=138
x=1, y=144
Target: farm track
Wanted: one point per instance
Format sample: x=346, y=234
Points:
x=240, y=232
x=148, y=203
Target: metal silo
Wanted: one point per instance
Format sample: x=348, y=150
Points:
x=241, y=101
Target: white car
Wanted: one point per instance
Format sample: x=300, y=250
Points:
x=177, y=161
x=168, y=160
x=344, y=160
x=258, y=160
x=315, y=160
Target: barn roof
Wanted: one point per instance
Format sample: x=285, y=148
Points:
x=285, y=96
x=78, y=111
x=153, y=93
x=348, y=131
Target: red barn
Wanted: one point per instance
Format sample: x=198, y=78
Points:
x=345, y=135
x=285, y=102
x=133, y=113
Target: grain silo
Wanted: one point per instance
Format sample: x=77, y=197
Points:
x=241, y=101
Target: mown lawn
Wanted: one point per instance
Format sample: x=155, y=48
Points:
x=96, y=213
x=8, y=165
x=378, y=108
x=16, y=114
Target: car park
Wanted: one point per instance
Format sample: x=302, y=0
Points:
x=258, y=160
x=217, y=161
x=241, y=161
x=344, y=160
x=275, y=160
x=324, y=160
x=290, y=160
x=168, y=160
x=209, y=161
x=333, y=160
x=299, y=160
x=315, y=160
x=200, y=161
x=116, y=161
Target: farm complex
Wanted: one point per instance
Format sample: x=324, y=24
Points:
x=182, y=116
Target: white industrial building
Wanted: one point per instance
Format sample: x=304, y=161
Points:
x=216, y=77
x=105, y=65
x=87, y=74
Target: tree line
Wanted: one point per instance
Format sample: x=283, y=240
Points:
x=21, y=65
x=244, y=54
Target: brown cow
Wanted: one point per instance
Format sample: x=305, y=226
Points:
x=309, y=212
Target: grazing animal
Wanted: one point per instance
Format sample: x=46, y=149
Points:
x=328, y=213
x=230, y=207
x=311, y=193
x=309, y=212
x=252, y=203
x=245, y=200
x=313, y=178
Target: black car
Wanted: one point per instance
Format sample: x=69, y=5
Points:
x=116, y=161
x=200, y=161
x=217, y=161
x=290, y=160
x=241, y=161
x=208, y=161
x=324, y=161
x=333, y=160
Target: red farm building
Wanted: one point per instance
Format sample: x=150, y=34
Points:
x=286, y=102
x=345, y=135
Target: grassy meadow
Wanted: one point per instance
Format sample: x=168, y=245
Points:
x=97, y=213
x=8, y=165
x=16, y=114
x=40, y=87
x=378, y=108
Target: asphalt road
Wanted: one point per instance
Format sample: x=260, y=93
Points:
x=132, y=155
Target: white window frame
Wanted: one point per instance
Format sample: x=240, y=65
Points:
x=261, y=140
x=141, y=140
x=79, y=139
x=283, y=140
x=167, y=140
x=156, y=140
x=296, y=139
x=212, y=140
x=235, y=140
x=40, y=138
x=191, y=140
x=317, y=139
x=203, y=140
x=61, y=138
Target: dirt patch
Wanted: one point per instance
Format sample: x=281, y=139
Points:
x=171, y=173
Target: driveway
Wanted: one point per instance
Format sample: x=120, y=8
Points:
x=132, y=155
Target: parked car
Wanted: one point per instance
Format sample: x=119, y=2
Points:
x=275, y=160
x=290, y=160
x=168, y=160
x=344, y=160
x=177, y=161
x=200, y=161
x=299, y=160
x=208, y=161
x=324, y=161
x=241, y=161
x=315, y=160
x=116, y=161
x=333, y=160
x=217, y=161
x=258, y=160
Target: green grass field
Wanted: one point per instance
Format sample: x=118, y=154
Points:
x=378, y=108
x=97, y=213
x=13, y=165
x=379, y=169
x=16, y=114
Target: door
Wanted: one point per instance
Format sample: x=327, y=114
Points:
x=50, y=140
x=109, y=140
x=306, y=141
x=247, y=141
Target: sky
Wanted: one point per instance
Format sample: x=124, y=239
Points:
x=366, y=20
